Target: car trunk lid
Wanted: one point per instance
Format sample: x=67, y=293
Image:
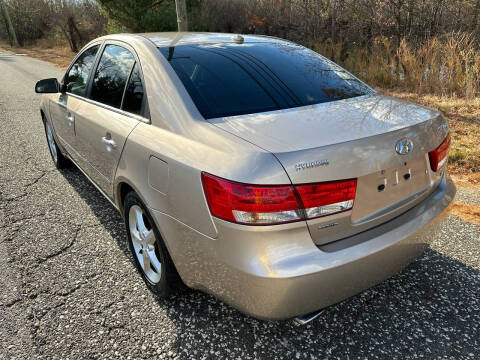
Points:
x=353, y=138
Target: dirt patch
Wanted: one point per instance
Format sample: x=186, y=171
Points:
x=60, y=56
x=469, y=213
x=468, y=180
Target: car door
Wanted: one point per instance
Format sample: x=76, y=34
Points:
x=75, y=84
x=116, y=105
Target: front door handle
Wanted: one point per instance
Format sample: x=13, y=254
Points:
x=70, y=119
x=109, y=142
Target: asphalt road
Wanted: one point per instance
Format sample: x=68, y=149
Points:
x=68, y=288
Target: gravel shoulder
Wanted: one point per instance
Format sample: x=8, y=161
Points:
x=68, y=287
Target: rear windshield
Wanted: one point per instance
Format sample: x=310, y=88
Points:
x=234, y=79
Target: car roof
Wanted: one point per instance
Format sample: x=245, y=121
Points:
x=164, y=39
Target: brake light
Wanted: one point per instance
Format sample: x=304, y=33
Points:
x=327, y=198
x=250, y=204
x=275, y=204
x=439, y=156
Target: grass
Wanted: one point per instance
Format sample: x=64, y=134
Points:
x=449, y=65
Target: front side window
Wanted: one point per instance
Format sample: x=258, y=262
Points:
x=112, y=75
x=233, y=79
x=77, y=77
x=134, y=93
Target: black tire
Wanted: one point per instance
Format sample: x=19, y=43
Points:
x=169, y=281
x=60, y=161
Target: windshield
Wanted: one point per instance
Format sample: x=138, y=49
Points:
x=234, y=79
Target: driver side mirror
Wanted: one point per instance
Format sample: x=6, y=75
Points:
x=47, y=86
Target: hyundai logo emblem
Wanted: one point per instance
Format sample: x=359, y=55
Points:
x=404, y=146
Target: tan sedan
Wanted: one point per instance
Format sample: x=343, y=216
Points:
x=250, y=167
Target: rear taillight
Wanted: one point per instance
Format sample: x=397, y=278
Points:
x=327, y=198
x=275, y=204
x=439, y=156
x=250, y=204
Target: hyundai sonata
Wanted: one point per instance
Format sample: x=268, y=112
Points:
x=250, y=167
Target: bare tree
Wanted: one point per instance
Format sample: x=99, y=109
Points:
x=476, y=12
x=181, y=15
x=63, y=16
x=76, y=20
x=10, y=28
x=333, y=15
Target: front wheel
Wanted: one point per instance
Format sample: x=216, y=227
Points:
x=151, y=256
x=59, y=160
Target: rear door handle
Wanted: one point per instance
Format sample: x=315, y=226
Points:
x=109, y=142
x=70, y=119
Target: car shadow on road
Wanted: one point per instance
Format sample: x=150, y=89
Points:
x=430, y=309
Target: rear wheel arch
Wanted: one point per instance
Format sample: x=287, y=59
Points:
x=123, y=188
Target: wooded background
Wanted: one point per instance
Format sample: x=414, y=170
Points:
x=425, y=45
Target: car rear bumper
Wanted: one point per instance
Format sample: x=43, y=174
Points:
x=273, y=273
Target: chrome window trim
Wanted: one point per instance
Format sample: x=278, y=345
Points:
x=111, y=108
x=103, y=44
x=85, y=48
x=131, y=49
x=127, y=83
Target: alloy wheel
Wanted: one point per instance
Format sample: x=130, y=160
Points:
x=144, y=244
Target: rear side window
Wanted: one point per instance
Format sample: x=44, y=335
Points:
x=134, y=93
x=234, y=79
x=112, y=75
x=77, y=77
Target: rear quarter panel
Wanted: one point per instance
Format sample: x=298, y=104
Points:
x=181, y=195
